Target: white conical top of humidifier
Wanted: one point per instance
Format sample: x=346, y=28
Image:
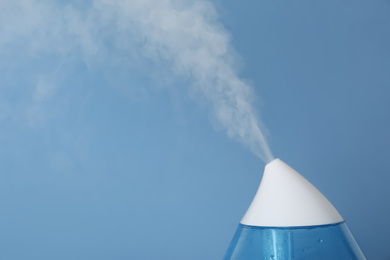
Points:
x=286, y=199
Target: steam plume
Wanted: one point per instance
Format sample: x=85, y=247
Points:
x=185, y=34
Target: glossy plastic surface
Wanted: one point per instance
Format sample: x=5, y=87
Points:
x=326, y=242
x=286, y=199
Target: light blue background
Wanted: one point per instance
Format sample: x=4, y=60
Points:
x=124, y=167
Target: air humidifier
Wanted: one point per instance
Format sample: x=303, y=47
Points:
x=290, y=219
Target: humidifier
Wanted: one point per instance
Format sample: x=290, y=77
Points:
x=290, y=219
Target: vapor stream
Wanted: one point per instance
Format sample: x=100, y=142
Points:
x=184, y=34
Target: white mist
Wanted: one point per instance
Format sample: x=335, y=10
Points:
x=183, y=35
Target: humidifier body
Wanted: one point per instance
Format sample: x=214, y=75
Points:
x=324, y=242
x=290, y=219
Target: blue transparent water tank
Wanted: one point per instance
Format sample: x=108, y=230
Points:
x=323, y=242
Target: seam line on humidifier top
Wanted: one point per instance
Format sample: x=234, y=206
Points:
x=293, y=227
